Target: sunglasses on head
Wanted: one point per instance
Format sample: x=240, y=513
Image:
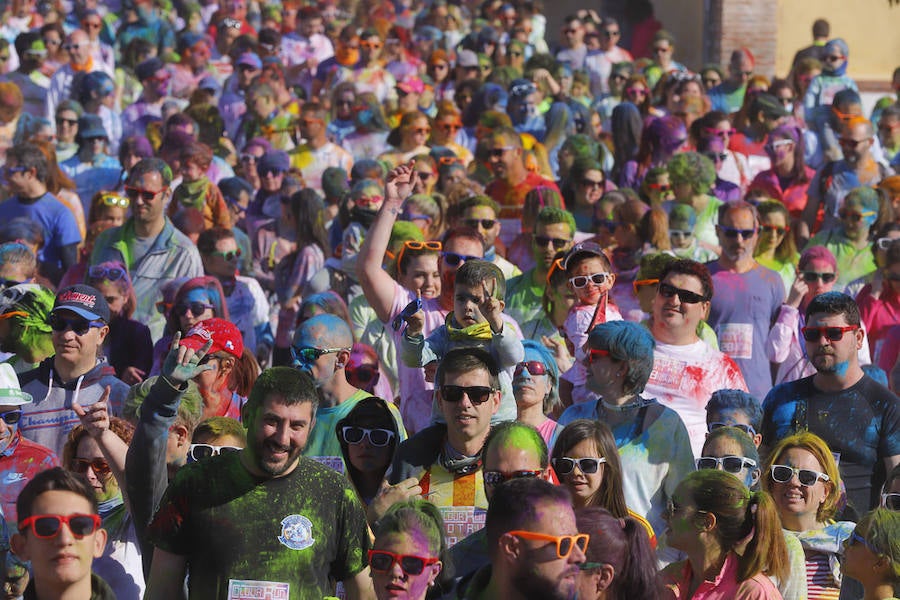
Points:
x=748, y=429
x=49, y=526
x=566, y=465
x=110, y=273
x=454, y=260
x=534, y=368
x=79, y=326
x=108, y=199
x=376, y=437
x=813, y=276
x=832, y=334
x=494, y=478
x=564, y=543
x=581, y=281
x=381, y=561
x=198, y=452
x=477, y=394
x=807, y=477
x=732, y=233
x=685, y=296
x=196, y=308
x=145, y=195
x=11, y=417
x=98, y=465
x=730, y=464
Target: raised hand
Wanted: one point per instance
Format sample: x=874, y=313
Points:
x=401, y=183
x=491, y=308
x=182, y=363
x=94, y=417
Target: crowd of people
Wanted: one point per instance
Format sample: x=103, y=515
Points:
x=408, y=300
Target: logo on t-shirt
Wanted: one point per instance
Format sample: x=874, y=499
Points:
x=296, y=532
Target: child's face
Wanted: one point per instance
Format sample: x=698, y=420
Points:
x=114, y=215
x=114, y=297
x=590, y=293
x=467, y=304
x=680, y=239
x=579, y=89
x=191, y=171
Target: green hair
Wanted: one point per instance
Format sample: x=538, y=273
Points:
x=190, y=407
x=31, y=330
x=882, y=527
x=219, y=427
x=582, y=146
x=405, y=516
x=550, y=215
x=478, y=200
x=692, y=168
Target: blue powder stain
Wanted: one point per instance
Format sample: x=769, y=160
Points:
x=841, y=368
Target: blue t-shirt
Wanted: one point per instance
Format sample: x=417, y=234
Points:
x=57, y=221
x=860, y=424
x=743, y=309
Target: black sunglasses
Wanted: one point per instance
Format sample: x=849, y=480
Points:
x=11, y=417
x=558, y=243
x=478, y=394
x=454, y=260
x=686, y=296
x=79, y=326
x=812, y=276
x=196, y=308
x=731, y=232
x=832, y=334
x=485, y=223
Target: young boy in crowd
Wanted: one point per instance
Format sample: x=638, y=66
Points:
x=58, y=510
x=197, y=191
x=477, y=321
x=590, y=279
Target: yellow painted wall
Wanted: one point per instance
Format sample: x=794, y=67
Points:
x=870, y=28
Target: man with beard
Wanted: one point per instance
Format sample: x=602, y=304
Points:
x=855, y=415
x=748, y=296
x=389, y=298
x=321, y=349
x=554, y=232
x=264, y=520
x=534, y=543
x=835, y=179
x=512, y=180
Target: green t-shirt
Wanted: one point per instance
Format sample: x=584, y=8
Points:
x=852, y=262
x=523, y=301
x=287, y=537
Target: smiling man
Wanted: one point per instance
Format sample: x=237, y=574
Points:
x=854, y=414
x=687, y=370
x=220, y=516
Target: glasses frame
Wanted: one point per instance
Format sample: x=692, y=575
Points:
x=31, y=523
x=477, y=394
x=367, y=434
x=596, y=461
x=60, y=324
x=398, y=559
x=216, y=450
x=581, y=540
x=830, y=333
x=794, y=471
x=745, y=463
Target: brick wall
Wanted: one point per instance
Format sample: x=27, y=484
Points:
x=733, y=24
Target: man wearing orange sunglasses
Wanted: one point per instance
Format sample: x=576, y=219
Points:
x=533, y=541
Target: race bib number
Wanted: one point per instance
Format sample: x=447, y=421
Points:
x=736, y=340
x=246, y=589
x=461, y=521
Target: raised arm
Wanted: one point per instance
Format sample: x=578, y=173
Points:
x=377, y=285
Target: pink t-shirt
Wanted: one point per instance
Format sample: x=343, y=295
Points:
x=415, y=392
x=677, y=580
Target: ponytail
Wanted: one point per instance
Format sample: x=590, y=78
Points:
x=639, y=577
x=766, y=551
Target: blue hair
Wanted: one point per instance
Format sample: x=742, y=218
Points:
x=552, y=371
x=630, y=343
x=736, y=400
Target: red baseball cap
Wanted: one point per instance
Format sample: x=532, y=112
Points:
x=224, y=335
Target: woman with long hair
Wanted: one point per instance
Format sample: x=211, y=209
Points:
x=586, y=461
x=788, y=179
x=803, y=478
x=627, y=125
x=776, y=248
x=296, y=269
x=409, y=139
x=637, y=91
x=710, y=516
x=620, y=564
